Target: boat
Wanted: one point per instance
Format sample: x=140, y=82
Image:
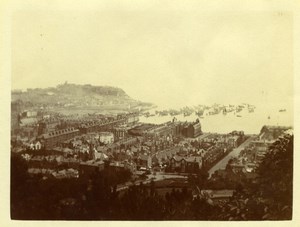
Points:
x=200, y=113
x=146, y=114
x=214, y=111
x=229, y=110
x=174, y=112
x=238, y=115
x=282, y=110
x=238, y=110
x=185, y=114
x=250, y=110
x=162, y=113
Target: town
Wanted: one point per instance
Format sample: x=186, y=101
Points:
x=89, y=141
x=161, y=158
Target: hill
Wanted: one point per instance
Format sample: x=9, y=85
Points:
x=73, y=95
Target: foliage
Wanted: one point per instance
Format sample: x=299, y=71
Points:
x=270, y=197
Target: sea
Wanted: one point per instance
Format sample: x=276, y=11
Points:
x=250, y=123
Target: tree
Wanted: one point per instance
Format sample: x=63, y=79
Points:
x=276, y=174
x=271, y=197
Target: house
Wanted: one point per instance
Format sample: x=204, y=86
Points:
x=145, y=161
x=38, y=145
x=163, y=156
x=193, y=164
x=233, y=141
x=185, y=164
x=155, y=160
x=106, y=137
x=31, y=146
x=27, y=157
x=100, y=156
x=120, y=132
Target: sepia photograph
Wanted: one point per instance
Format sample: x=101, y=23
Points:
x=150, y=111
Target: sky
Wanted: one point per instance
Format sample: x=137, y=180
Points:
x=169, y=57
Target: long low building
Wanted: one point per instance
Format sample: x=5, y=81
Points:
x=100, y=125
x=186, y=129
x=52, y=139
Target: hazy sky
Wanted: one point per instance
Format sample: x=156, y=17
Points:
x=168, y=57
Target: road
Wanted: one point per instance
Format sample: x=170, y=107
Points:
x=234, y=153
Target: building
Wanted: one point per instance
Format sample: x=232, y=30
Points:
x=141, y=130
x=38, y=145
x=144, y=161
x=28, y=121
x=32, y=113
x=233, y=141
x=132, y=119
x=100, y=156
x=107, y=124
x=152, y=130
x=120, y=133
x=190, y=164
x=162, y=130
x=271, y=133
x=162, y=157
x=48, y=125
x=52, y=139
x=266, y=138
x=177, y=129
x=192, y=130
x=106, y=137
x=16, y=108
x=123, y=144
x=90, y=127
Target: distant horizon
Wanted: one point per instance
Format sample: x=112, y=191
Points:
x=170, y=58
x=166, y=106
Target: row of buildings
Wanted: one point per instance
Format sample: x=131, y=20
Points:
x=174, y=128
x=114, y=128
x=243, y=167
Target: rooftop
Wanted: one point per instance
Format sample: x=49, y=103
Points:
x=59, y=132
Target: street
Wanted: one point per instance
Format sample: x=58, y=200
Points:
x=223, y=162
